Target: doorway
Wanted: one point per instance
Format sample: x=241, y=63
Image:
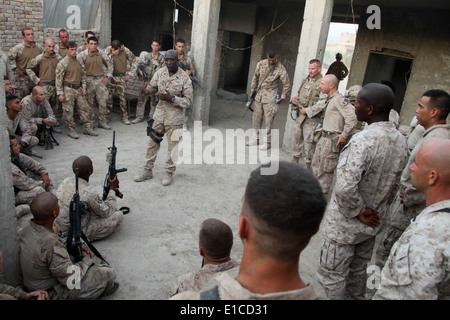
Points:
x=235, y=62
x=395, y=68
x=137, y=23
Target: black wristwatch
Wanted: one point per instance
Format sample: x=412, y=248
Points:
x=173, y=99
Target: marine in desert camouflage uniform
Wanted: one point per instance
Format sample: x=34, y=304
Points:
x=215, y=243
x=175, y=92
x=124, y=62
x=367, y=176
x=186, y=62
x=151, y=61
x=99, y=68
x=46, y=62
x=85, y=45
x=47, y=265
x=33, y=108
x=274, y=232
x=418, y=267
x=338, y=122
x=71, y=91
x=61, y=48
x=268, y=74
x=17, y=125
x=102, y=217
x=8, y=292
x=304, y=127
x=432, y=112
x=29, y=176
x=19, y=57
x=351, y=94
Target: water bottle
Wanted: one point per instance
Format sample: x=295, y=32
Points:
x=276, y=99
x=51, y=118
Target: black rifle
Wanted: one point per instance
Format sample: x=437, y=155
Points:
x=248, y=105
x=25, y=149
x=144, y=73
x=45, y=132
x=112, y=171
x=193, y=79
x=152, y=133
x=77, y=208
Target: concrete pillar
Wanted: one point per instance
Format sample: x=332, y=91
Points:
x=313, y=40
x=105, y=23
x=9, y=242
x=205, y=23
x=256, y=55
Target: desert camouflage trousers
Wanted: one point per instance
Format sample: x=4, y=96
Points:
x=98, y=279
x=266, y=112
x=342, y=271
x=173, y=135
x=303, y=139
x=97, y=90
x=23, y=85
x=117, y=86
x=26, y=196
x=74, y=99
x=50, y=95
x=399, y=218
x=99, y=228
x=324, y=162
x=142, y=101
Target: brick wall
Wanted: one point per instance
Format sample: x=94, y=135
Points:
x=14, y=16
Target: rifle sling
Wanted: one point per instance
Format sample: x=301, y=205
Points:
x=270, y=71
x=91, y=246
x=86, y=240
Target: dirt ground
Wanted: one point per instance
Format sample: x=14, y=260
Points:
x=158, y=239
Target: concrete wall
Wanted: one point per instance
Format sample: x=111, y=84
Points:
x=280, y=30
x=14, y=15
x=418, y=34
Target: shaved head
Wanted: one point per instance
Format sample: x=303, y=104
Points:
x=49, y=41
x=374, y=103
x=331, y=79
x=43, y=205
x=38, y=90
x=84, y=166
x=436, y=156
x=171, y=59
x=216, y=239
x=171, y=54
x=329, y=84
x=380, y=96
x=430, y=171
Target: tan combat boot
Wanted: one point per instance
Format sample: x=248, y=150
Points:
x=137, y=120
x=146, y=174
x=104, y=125
x=167, y=178
x=90, y=132
x=73, y=134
